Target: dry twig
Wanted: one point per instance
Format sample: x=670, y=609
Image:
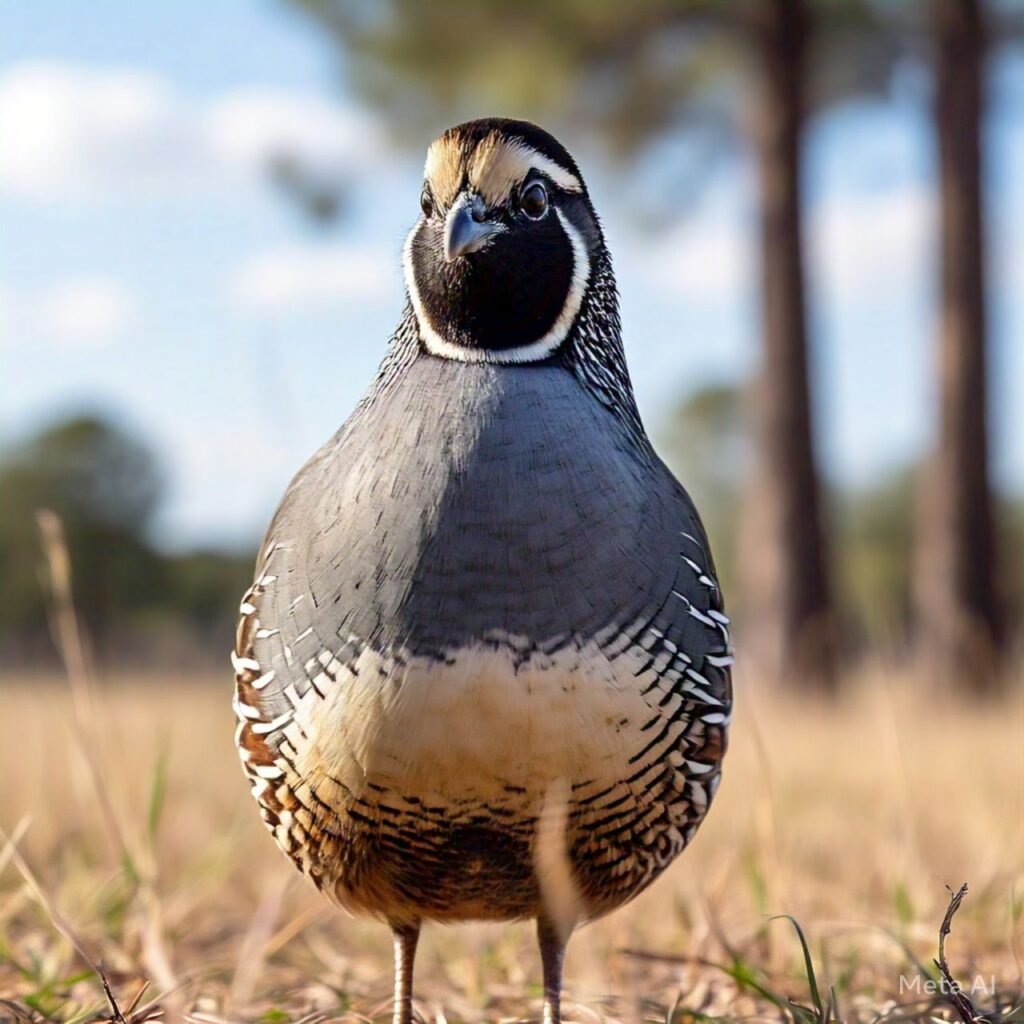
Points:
x=950, y=986
x=68, y=637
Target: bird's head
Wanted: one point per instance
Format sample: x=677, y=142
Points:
x=507, y=245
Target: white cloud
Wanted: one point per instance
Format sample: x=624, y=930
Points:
x=79, y=313
x=72, y=131
x=860, y=248
x=867, y=247
x=296, y=278
x=86, y=313
x=708, y=256
x=249, y=127
x=710, y=261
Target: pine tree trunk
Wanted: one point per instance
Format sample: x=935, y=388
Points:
x=957, y=607
x=787, y=605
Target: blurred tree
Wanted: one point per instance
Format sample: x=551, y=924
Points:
x=319, y=197
x=791, y=625
x=203, y=589
x=632, y=74
x=959, y=622
x=104, y=485
x=1009, y=515
x=874, y=544
x=626, y=72
x=706, y=442
x=136, y=602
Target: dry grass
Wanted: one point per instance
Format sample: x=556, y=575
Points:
x=851, y=819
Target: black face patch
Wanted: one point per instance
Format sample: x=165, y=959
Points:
x=506, y=295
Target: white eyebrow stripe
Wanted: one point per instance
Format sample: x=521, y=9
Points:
x=556, y=172
x=499, y=165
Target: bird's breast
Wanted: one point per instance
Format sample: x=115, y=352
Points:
x=492, y=501
x=481, y=724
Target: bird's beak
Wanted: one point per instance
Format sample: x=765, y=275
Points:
x=465, y=230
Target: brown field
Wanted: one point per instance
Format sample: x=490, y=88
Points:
x=851, y=819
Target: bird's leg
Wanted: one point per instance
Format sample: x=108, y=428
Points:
x=406, y=936
x=552, y=953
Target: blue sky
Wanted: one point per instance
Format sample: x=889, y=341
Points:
x=149, y=269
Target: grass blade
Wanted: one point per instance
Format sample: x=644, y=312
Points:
x=812, y=980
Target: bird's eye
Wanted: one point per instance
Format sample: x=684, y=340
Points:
x=533, y=201
x=426, y=202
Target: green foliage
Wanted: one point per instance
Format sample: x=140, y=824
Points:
x=627, y=74
x=204, y=588
x=624, y=71
x=106, y=485
x=822, y=1012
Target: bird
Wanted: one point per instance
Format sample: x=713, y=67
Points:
x=483, y=671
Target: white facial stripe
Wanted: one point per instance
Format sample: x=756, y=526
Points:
x=578, y=285
x=535, y=351
x=427, y=333
x=556, y=172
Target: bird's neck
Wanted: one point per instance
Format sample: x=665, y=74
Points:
x=592, y=349
x=595, y=352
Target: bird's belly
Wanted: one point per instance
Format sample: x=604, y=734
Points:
x=433, y=780
x=484, y=723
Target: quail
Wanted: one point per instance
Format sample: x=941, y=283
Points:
x=483, y=672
